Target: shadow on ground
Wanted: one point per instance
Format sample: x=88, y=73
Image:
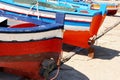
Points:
x=100, y=52
x=116, y=16
x=68, y=73
x=105, y=53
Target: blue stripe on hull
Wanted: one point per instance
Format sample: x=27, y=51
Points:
x=50, y=20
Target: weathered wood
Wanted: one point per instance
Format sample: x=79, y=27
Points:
x=91, y=52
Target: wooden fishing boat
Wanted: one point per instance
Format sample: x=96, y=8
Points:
x=111, y=8
x=85, y=38
x=46, y=11
x=25, y=43
x=77, y=20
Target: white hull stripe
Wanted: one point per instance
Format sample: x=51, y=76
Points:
x=71, y=17
x=31, y=36
x=77, y=28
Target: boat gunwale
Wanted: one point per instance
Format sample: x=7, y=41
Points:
x=48, y=10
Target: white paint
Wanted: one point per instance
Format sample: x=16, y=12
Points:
x=31, y=36
x=2, y=19
x=70, y=17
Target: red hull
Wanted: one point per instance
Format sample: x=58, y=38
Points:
x=81, y=38
x=111, y=9
x=27, y=66
x=112, y=12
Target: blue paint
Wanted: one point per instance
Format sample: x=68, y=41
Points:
x=42, y=26
x=90, y=13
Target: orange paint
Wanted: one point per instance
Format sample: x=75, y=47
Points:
x=81, y=38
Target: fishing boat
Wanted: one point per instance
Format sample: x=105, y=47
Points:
x=112, y=8
x=77, y=20
x=46, y=11
x=84, y=38
x=25, y=43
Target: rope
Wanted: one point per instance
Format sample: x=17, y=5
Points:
x=37, y=5
x=58, y=69
x=107, y=30
x=30, y=10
